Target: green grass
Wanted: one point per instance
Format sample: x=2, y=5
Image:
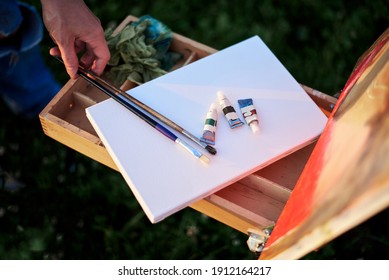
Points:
x=75, y=208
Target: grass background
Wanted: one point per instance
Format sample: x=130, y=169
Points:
x=74, y=208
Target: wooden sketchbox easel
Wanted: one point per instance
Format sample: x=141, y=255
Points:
x=276, y=195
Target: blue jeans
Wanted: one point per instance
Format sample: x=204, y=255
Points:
x=26, y=84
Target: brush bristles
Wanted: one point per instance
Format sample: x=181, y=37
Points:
x=204, y=159
x=211, y=149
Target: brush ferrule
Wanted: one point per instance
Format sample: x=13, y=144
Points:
x=189, y=148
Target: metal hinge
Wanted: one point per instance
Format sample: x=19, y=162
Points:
x=257, y=239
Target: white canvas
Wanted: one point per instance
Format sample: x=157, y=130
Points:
x=162, y=175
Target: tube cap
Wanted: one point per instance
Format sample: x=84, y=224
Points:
x=254, y=125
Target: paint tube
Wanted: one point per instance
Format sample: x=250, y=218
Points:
x=249, y=113
x=210, y=123
x=228, y=110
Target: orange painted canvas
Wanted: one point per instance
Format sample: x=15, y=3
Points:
x=346, y=179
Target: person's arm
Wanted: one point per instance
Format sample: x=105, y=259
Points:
x=75, y=29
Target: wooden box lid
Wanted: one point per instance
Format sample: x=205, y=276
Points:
x=346, y=179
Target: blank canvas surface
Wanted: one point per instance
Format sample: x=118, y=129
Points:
x=162, y=175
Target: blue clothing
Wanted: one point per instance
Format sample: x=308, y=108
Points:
x=26, y=84
x=10, y=17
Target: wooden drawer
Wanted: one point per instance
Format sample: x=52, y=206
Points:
x=253, y=202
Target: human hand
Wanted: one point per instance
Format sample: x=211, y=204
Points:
x=75, y=29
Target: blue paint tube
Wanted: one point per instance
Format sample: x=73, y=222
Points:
x=249, y=113
x=229, y=111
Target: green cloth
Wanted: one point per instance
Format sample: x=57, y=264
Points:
x=140, y=51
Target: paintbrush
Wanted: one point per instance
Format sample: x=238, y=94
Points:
x=123, y=101
x=145, y=107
